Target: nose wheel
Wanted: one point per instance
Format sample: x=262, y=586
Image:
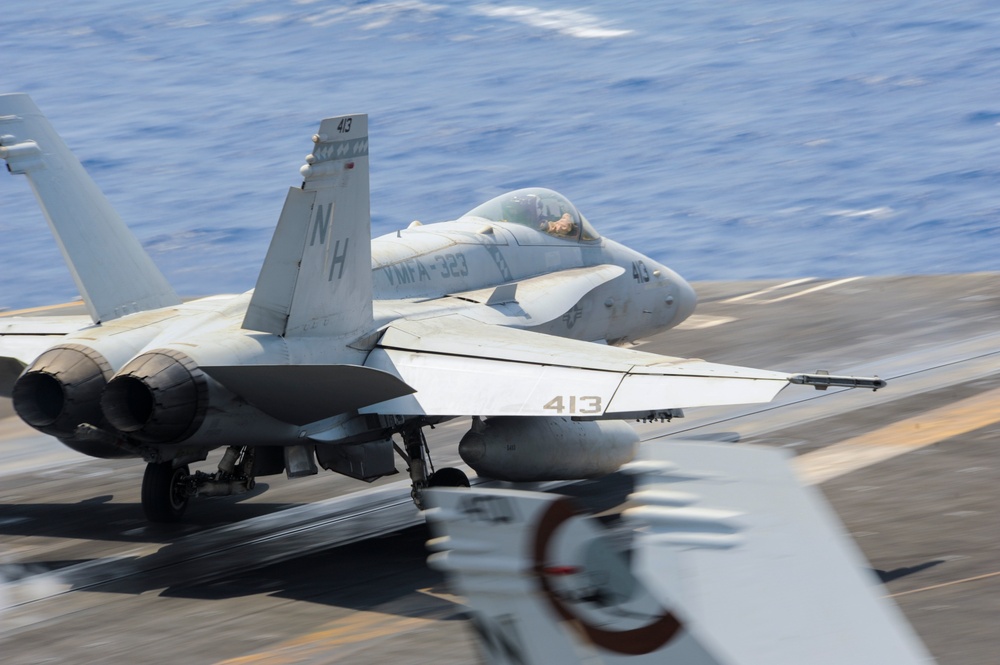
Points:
x=448, y=477
x=418, y=461
x=165, y=494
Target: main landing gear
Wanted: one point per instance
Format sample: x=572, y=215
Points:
x=164, y=491
x=167, y=489
x=418, y=460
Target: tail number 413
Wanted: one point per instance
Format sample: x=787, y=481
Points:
x=571, y=404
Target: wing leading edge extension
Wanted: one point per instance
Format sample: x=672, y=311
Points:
x=537, y=300
x=458, y=366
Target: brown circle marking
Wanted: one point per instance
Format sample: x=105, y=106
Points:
x=634, y=642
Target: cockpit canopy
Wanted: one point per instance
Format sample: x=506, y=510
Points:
x=540, y=209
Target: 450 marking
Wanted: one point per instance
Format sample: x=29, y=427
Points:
x=571, y=404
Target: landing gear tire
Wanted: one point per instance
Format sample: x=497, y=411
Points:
x=164, y=492
x=448, y=477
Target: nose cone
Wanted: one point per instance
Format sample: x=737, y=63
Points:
x=686, y=301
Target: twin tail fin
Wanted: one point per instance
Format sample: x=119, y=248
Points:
x=112, y=271
x=316, y=278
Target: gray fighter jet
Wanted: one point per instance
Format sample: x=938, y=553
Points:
x=347, y=341
x=726, y=560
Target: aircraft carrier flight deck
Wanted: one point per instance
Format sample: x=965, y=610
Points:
x=330, y=570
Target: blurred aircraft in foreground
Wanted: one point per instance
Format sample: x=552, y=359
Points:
x=731, y=562
x=347, y=341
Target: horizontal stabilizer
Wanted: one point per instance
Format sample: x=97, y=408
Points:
x=114, y=274
x=10, y=369
x=463, y=367
x=42, y=325
x=302, y=394
x=23, y=338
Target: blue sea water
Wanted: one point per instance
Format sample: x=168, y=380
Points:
x=730, y=140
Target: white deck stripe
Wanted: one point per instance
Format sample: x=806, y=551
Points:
x=821, y=287
x=769, y=289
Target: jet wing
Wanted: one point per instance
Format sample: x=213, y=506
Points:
x=459, y=366
x=547, y=585
x=732, y=562
x=761, y=564
x=452, y=365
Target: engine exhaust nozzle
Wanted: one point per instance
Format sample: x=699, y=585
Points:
x=158, y=397
x=62, y=389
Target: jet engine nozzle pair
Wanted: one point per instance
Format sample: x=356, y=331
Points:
x=158, y=397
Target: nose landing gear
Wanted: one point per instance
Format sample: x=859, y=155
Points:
x=448, y=477
x=418, y=461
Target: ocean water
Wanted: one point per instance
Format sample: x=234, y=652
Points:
x=730, y=140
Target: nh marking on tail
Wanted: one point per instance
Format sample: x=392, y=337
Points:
x=321, y=226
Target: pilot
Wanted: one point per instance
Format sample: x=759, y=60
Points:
x=564, y=226
x=530, y=210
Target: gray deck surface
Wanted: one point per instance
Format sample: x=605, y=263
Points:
x=912, y=471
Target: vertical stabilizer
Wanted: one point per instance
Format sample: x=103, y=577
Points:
x=317, y=279
x=114, y=274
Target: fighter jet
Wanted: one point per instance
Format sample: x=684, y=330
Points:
x=511, y=314
x=725, y=560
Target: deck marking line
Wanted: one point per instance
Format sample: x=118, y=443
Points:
x=821, y=287
x=357, y=627
x=944, y=584
x=702, y=321
x=769, y=289
x=906, y=435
